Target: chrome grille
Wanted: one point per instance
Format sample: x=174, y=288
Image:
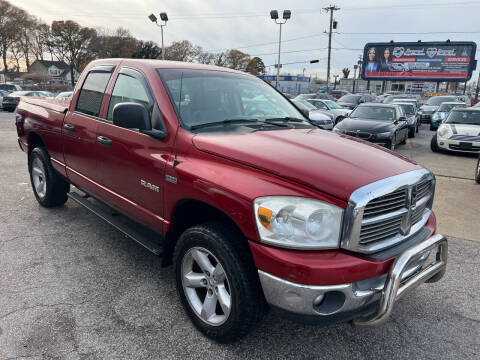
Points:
x=386, y=204
x=383, y=216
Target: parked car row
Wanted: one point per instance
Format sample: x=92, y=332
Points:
x=10, y=102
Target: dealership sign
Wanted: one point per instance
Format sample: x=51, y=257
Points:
x=427, y=61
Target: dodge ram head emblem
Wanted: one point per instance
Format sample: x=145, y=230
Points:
x=406, y=223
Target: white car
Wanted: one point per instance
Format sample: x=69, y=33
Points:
x=459, y=132
x=330, y=107
x=318, y=117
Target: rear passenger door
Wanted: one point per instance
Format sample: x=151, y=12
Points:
x=79, y=130
x=132, y=164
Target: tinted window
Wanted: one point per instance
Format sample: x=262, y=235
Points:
x=354, y=99
x=128, y=89
x=91, y=94
x=437, y=100
x=373, y=112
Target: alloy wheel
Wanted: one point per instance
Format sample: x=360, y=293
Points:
x=206, y=286
x=39, y=178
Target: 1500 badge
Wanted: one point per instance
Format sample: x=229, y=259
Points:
x=149, y=186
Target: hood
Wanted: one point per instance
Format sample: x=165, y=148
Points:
x=367, y=125
x=347, y=105
x=317, y=115
x=331, y=163
x=431, y=108
x=340, y=111
x=465, y=129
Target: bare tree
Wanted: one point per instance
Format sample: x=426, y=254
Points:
x=182, y=51
x=41, y=41
x=70, y=41
x=25, y=36
x=10, y=16
x=205, y=57
x=236, y=59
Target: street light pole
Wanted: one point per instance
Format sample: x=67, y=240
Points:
x=331, y=8
x=278, y=62
x=164, y=18
x=274, y=17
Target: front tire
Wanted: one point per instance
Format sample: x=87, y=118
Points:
x=433, y=144
x=411, y=132
x=217, y=282
x=49, y=189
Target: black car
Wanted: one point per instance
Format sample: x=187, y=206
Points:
x=381, y=124
x=349, y=101
x=11, y=101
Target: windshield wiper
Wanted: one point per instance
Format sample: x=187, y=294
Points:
x=286, y=118
x=223, y=122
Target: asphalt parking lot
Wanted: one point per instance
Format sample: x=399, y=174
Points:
x=72, y=287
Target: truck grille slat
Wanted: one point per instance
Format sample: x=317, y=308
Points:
x=366, y=233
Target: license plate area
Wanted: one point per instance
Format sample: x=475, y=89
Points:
x=465, y=145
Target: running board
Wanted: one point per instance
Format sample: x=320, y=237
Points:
x=127, y=226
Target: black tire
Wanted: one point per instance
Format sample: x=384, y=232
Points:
x=477, y=171
x=418, y=125
x=56, y=188
x=432, y=128
x=411, y=133
x=433, y=144
x=248, y=304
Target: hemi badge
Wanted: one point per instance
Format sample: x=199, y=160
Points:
x=171, y=179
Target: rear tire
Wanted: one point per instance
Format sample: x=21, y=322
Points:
x=433, y=144
x=49, y=189
x=477, y=172
x=215, y=244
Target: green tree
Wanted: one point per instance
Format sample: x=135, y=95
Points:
x=256, y=66
x=147, y=50
x=71, y=41
x=346, y=72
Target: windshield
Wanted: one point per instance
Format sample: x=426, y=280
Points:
x=332, y=104
x=392, y=98
x=408, y=109
x=447, y=107
x=305, y=96
x=205, y=97
x=374, y=113
x=353, y=99
x=304, y=105
x=463, y=117
x=437, y=100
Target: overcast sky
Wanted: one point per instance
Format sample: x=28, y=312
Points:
x=221, y=24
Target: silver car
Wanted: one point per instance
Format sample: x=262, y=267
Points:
x=330, y=107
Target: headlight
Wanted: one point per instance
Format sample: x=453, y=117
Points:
x=435, y=117
x=338, y=131
x=384, y=135
x=444, y=132
x=298, y=223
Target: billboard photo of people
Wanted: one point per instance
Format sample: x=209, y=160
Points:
x=372, y=64
x=427, y=61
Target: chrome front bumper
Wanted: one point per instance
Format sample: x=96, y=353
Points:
x=424, y=262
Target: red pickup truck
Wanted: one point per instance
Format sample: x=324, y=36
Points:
x=218, y=173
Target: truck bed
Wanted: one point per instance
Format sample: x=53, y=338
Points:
x=58, y=105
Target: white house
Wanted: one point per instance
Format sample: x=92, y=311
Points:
x=57, y=71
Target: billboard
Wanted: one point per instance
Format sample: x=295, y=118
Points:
x=424, y=61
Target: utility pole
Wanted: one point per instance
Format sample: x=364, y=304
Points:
x=331, y=8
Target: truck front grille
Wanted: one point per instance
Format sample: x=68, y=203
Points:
x=384, y=216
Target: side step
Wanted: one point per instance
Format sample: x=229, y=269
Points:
x=130, y=228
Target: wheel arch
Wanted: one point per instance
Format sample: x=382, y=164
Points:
x=34, y=140
x=190, y=212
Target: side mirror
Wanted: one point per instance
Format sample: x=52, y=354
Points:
x=130, y=115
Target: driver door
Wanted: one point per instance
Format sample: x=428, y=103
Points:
x=131, y=165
